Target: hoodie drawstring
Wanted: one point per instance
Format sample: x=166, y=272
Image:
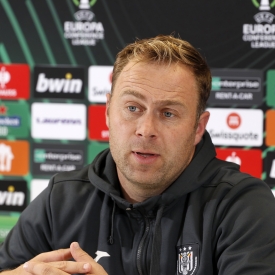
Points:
x=111, y=238
x=156, y=246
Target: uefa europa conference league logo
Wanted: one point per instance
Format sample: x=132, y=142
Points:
x=261, y=34
x=264, y=5
x=86, y=31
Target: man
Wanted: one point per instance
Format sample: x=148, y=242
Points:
x=158, y=202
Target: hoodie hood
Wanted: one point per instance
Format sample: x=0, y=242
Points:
x=103, y=175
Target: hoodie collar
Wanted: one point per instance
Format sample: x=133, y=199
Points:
x=103, y=175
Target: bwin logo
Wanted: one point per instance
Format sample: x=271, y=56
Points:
x=11, y=198
x=57, y=85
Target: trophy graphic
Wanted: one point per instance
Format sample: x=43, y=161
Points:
x=264, y=6
x=84, y=4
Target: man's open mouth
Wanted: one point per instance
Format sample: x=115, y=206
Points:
x=145, y=155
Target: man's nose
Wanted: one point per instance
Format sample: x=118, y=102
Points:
x=147, y=126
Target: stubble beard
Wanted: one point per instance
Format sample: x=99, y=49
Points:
x=143, y=179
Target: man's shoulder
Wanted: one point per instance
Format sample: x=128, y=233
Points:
x=229, y=173
x=80, y=175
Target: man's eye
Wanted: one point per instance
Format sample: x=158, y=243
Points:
x=168, y=114
x=132, y=108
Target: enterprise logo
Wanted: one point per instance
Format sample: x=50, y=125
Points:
x=42, y=156
x=236, y=84
x=234, y=127
x=51, y=158
x=242, y=87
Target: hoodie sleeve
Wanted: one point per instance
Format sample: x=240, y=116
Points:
x=245, y=235
x=31, y=235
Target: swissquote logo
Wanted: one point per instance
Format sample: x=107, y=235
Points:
x=241, y=127
x=13, y=195
x=14, y=81
x=261, y=34
x=59, y=82
x=85, y=31
x=99, y=83
x=233, y=120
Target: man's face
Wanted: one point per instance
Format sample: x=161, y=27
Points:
x=151, y=117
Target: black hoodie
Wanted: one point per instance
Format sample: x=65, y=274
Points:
x=211, y=220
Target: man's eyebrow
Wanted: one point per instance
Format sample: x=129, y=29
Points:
x=159, y=102
x=134, y=93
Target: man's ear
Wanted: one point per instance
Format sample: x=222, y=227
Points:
x=204, y=117
x=108, y=99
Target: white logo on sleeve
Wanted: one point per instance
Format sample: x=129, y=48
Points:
x=101, y=254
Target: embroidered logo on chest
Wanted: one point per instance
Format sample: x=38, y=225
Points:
x=188, y=259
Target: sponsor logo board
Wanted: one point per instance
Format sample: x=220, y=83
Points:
x=49, y=159
x=14, y=119
x=86, y=30
x=260, y=31
x=250, y=161
x=236, y=127
x=14, y=158
x=270, y=88
x=98, y=129
x=58, y=121
x=64, y=82
x=14, y=81
x=270, y=129
x=100, y=81
x=241, y=87
x=13, y=195
x=37, y=186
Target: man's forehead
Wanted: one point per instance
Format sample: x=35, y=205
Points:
x=143, y=66
x=168, y=77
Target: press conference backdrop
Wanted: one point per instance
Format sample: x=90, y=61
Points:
x=56, y=61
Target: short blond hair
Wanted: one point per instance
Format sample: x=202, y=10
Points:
x=167, y=49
